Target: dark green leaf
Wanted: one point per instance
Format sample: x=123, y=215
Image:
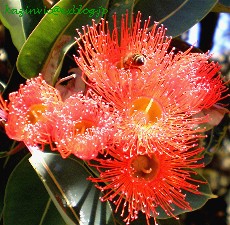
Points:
x=3, y=154
x=2, y=86
x=45, y=48
x=142, y=220
x=225, y=2
x=75, y=197
x=196, y=201
x=159, y=9
x=26, y=199
x=177, y=16
x=120, y=8
x=20, y=23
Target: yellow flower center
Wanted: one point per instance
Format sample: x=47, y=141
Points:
x=145, y=167
x=36, y=113
x=146, y=111
x=83, y=126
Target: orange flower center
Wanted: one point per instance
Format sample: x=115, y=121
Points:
x=36, y=113
x=145, y=167
x=146, y=111
x=83, y=126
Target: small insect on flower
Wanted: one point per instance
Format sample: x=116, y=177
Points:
x=159, y=103
x=133, y=61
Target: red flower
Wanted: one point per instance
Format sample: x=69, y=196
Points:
x=156, y=91
x=139, y=66
x=30, y=110
x=84, y=127
x=147, y=182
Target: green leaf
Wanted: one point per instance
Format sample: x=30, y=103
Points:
x=19, y=23
x=2, y=85
x=225, y=2
x=120, y=8
x=159, y=9
x=75, y=197
x=47, y=45
x=142, y=220
x=3, y=154
x=177, y=16
x=196, y=201
x=26, y=199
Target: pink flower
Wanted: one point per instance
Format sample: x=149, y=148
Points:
x=30, y=110
x=156, y=90
x=85, y=126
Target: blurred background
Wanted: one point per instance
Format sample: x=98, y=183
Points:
x=213, y=33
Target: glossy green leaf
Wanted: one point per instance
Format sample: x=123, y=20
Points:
x=177, y=16
x=225, y=2
x=20, y=23
x=119, y=7
x=45, y=48
x=2, y=85
x=75, y=197
x=196, y=201
x=142, y=220
x=159, y=9
x=26, y=199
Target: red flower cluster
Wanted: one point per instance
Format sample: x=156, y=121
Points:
x=157, y=93
x=138, y=113
x=36, y=115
